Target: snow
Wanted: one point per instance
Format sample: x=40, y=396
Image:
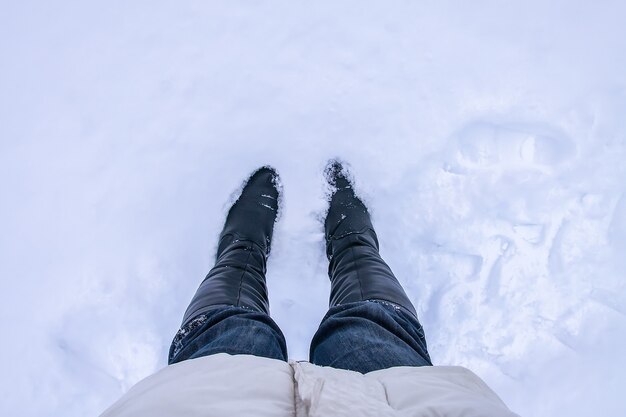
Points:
x=488, y=139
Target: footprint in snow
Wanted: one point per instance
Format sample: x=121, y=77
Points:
x=488, y=145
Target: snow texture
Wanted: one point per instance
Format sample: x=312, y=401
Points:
x=488, y=139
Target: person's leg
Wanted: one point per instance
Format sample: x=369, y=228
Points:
x=371, y=323
x=232, y=330
x=367, y=336
x=230, y=311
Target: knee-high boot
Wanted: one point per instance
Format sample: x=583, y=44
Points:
x=356, y=270
x=238, y=277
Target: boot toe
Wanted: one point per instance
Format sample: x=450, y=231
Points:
x=262, y=185
x=253, y=215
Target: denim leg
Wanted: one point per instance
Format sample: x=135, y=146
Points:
x=367, y=336
x=229, y=329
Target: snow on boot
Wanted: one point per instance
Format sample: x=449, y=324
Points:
x=238, y=277
x=346, y=214
x=356, y=270
x=253, y=215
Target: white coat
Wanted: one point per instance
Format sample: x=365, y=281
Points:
x=243, y=385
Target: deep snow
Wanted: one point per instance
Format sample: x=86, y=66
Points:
x=487, y=137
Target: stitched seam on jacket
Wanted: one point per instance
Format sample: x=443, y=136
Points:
x=386, y=395
x=295, y=389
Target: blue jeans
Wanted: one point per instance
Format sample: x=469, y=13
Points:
x=362, y=336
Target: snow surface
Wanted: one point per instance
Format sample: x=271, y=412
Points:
x=488, y=138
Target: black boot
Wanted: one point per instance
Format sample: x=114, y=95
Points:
x=356, y=270
x=238, y=277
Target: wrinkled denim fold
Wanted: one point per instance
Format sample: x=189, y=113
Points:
x=366, y=336
x=363, y=336
x=232, y=330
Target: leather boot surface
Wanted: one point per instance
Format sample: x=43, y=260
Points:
x=253, y=215
x=238, y=277
x=356, y=270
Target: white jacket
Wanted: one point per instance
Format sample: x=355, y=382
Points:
x=244, y=385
